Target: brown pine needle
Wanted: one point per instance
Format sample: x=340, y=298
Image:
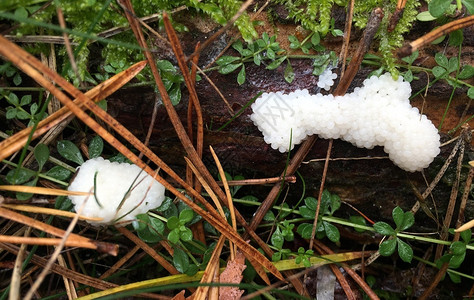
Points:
x=230, y=203
x=41, y=190
x=48, y=211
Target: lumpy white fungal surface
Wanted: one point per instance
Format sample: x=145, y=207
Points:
x=377, y=114
x=113, y=181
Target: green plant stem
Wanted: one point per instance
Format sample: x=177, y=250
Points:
x=39, y=174
x=449, y=270
x=404, y=235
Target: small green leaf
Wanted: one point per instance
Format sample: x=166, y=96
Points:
x=180, y=260
x=466, y=235
x=425, y=16
x=175, y=94
x=454, y=277
x=241, y=76
x=305, y=230
x=276, y=63
x=69, y=151
x=173, y=236
x=96, y=147
x=173, y=222
x=25, y=100
x=411, y=58
x=13, y=99
x=59, y=173
x=331, y=232
x=269, y=216
x=408, y=76
x=41, y=153
x=470, y=92
x=384, y=228
x=456, y=260
x=335, y=203
x=453, y=64
x=226, y=59
x=22, y=115
x=458, y=248
x=289, y=74
x=387, y=247
x=456, y=38
x=186, y=235
x=467, y=72
x=397, y=215
x=439, y=71
x=21, y=13
x=226, y=69
x=166, y=66
x=19, y=176
x=277, y=239
x=185, y=216
x=311, y=203
x=306, y=212
x=17, y=79
x=157, y=225
x=441, y=60
x=438, y=7
x=257, y=59
x=276, y=256
x=192, y=270
x=358, y=220
x=270, y=53
x=11, y=112
x=33, y=108
x=404, y=251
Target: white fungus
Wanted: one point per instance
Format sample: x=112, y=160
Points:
x=326, y=79
x=113, y=181
x=377, y=114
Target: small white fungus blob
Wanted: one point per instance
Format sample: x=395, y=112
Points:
x=113, y=181
x=377, y=114
x=326, y=79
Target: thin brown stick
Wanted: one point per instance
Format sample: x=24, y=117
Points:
x=67, y=44
x=451, y=204
x=260, y=181
x=409, y=48
x=347, y=37
x=156, y=105
x=320, y=195
x=364, y=44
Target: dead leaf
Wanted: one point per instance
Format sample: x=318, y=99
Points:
x=232, y=274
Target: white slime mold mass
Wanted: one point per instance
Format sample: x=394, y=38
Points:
x=113, y=180
x=377, y=114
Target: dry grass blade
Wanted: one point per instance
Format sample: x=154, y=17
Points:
x=101, y=91
x=230, y=203
x=211, y=269
x=15, y=284
x=40, y=190
x=99, y=246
